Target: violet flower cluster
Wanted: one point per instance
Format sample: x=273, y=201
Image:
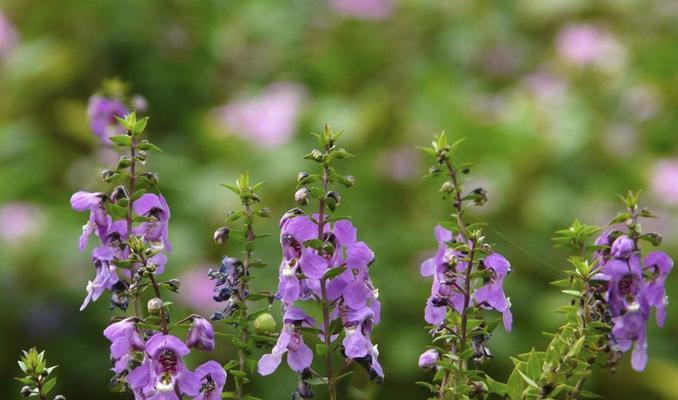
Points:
x=131, y=227
x=448, y=267
x=324, y=263
x=634, y=286
x=154, y=368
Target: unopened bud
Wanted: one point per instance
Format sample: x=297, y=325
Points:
x=264, y=323
x=151, y=177
x=221, y=235
x=447, y=187
x=174, y=284
x=154, y=306
x=59, y=397
x=317, y=155
x=107, y=175
x=350, y=180
x=302, y=195
x=434, y=171
x=301, y=176
x=26, y=391
x=119, y=193
x=264, y=212
x=333, y=200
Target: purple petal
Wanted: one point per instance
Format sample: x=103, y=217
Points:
x=312, y=265
x=83, y=201
x=428, y=267
x=359, y=256
x=345, y=232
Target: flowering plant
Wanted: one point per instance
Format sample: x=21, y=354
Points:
x=131, y=227
x=324, y=264
x=468, y=278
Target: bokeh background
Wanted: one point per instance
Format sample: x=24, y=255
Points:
x=563, y=104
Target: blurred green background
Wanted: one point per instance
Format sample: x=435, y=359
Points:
x=563, y=105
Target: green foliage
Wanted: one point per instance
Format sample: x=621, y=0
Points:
x=37, y=380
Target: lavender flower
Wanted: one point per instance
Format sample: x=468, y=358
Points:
x=19, y=221
x=200, y=335
x=98, y=218
x=101, y=113
x=429, y=359
x=125, y=341
x=162, y=375
x=664, y=181
x=213, y=378
x=290, y=341
x=635, y=285
x=268, y=119
x=364, y=9
x=8, y=36
x=155, y=207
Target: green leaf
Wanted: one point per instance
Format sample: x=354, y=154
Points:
x=139, y=126
x=528, y=380
x=121, y=140
x=49, y=385
x=494, y=386
x=333, y=272
x=148, y=146
x=320, y=349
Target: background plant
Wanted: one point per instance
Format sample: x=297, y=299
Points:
x=233, y=278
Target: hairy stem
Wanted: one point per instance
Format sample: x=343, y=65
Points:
x=130, y=210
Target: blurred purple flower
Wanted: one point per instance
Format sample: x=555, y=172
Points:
x=8, y=36
x=101, y=113
x=399, y=164
x=196, y=290
x=545, y=86
x=588, y=45
x=364, y=9
x=19, y=221
x=269, y=119
x=664, y=181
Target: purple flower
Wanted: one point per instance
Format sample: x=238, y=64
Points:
x=213, y=378
x=447, y=267
x=290, y=341
x=155, y=207
x=8, y=36
x=125, y=341
x=101, y=113
x=659, y=264
x=429, y=359
x=200, y=335
x=364, y=9
x=98, y=218
x=492, y=294
x=588, y=45
x=622, y=247
x=664, y=181
x=269, y=119
x=163, y=375
x=19, y=221
x=106, y=275
x=357, y=343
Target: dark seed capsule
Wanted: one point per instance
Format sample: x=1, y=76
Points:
x=221, y=235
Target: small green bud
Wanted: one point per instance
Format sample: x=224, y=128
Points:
x=333, y=200
x=151, y=177
x=174, y=284
x=447, y=187
x=302, y=195
x=264, y=212
x=221, y=235
x=124, y=162
x=26, y=391
x=317, y=155
x=302, y=175
x=265, y=323
x=119, y=193
x=107, y=175
x=350, y=181
x=154, y=306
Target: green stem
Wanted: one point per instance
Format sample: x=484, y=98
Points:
x=244, y=333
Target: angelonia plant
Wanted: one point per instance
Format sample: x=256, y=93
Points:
x=468, y=279
x=324, y=268
x=252, y=327
x=37, y=378
x=615, y=285
x=130, y=225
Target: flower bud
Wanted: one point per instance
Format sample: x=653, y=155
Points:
x=264, y=323
x=264, y=212
x=221, y=235
x=302, y=195
x=480, y=196
x=333, y=200
x=119, y=193
x=428, y=359
x=174, y=284
x=154, y=306
x=59, y=397
x=434, y=171
x=151, y=177
x=317, y=155
x=200, y=335
x=107, y=175
x=302, y=175
x=350, y=181
x=447, y=187
x=26, y=391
